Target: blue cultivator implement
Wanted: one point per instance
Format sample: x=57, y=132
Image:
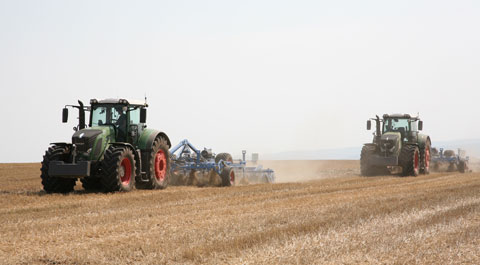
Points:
x=190, y=166
x=447, y=160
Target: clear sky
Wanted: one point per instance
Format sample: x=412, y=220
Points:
x=266, y=76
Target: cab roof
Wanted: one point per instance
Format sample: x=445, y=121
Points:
x=122, y=101
x=400, y=116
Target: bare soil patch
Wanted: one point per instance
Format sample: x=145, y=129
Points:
x=334, y=217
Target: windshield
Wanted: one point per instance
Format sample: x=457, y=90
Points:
x=114, y=115
x=102, y=115
x=396, y=125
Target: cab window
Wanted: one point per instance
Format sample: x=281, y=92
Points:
x=135, y=116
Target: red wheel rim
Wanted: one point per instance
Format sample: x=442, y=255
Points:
x=232, y=177
x=427, y=158
x=416, y=160
x=125, y=171
x=160, y=165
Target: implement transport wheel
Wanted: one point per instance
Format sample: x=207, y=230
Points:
x=223, y=156
x=365, y=168
x=425, y=159
x=55, y=184
x=158, y=166
x=118, y=169
x=449, y=153
x=451, y=167
x=462, y=167
x=228, y=177
x=410, y=160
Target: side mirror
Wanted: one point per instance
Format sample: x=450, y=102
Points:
x=420, y=125
x=369, y=125
x=143, y=115
x=65, y=115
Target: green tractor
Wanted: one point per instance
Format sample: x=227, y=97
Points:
x=116, y=152
x=397, y=147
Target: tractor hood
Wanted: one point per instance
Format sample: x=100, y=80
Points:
x=84, y=139
x=390, y=143
x=90, y=142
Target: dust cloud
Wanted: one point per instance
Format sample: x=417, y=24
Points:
x=474, y=164
x=305, y=170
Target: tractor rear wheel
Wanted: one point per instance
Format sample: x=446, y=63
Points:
x=118, y=169
x=223, y=156
x=365, y=168
x=158, y=166
x=410, y=160
x=425, y=159
x=55, y=184
x=228, y=177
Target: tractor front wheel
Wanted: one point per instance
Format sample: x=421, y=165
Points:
x=118, y=169
x=365, y=168
x=91, y=184
x=55, y=184
x=410, y=160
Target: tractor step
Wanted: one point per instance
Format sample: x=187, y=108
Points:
x=143, y=177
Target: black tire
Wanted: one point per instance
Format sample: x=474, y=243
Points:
x=265, y=179
x=228, y=177
x=451, y=167
x=410, y=160
x=223, y=156
x=449, y=153
x=55, y=184
x=91, y=184
x=158, y=166
x=365, y=168
x=118, y=169
x=462, y=167
x=425, y=157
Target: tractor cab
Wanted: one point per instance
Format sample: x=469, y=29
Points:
x=126, y=118
x=402, y=123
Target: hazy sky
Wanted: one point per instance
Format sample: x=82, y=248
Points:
x=266, y=76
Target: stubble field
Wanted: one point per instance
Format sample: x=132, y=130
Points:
x=321, y=212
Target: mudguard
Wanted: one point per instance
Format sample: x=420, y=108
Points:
x=62, y=144
x=422, y=140
x=122, y=144
x=147, y=138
